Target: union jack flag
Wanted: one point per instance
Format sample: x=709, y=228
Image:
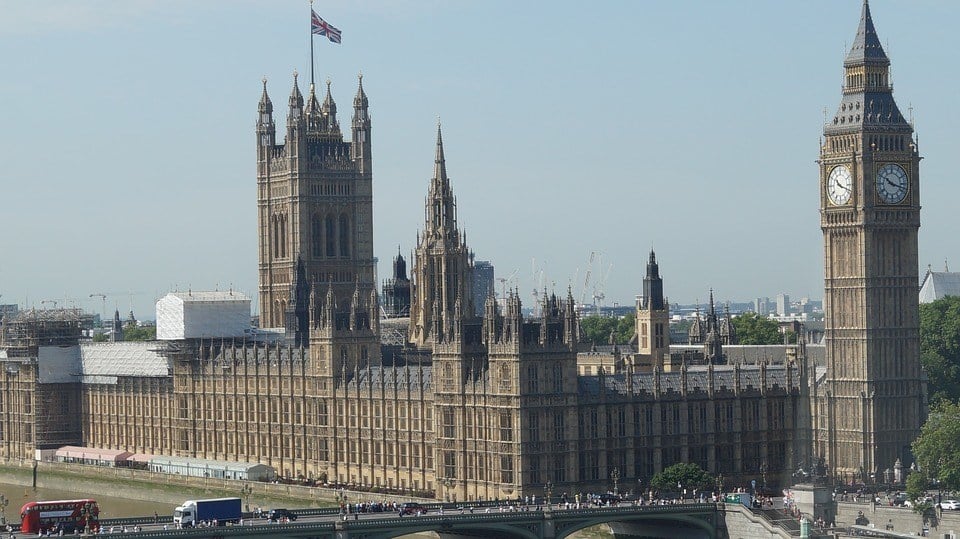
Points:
x=321, y=27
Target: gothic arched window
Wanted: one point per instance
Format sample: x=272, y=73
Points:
x=275, y=236
x=316, y=236
x=344, y=235
x=331, y=240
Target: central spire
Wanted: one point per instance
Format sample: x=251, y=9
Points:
x=439, y=163
x=866, y=45
x=442, y=212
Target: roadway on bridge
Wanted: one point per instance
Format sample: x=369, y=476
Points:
x=136, y=526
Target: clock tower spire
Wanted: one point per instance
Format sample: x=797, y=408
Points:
x=874, y=399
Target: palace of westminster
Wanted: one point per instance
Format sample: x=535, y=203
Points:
x=478, y=400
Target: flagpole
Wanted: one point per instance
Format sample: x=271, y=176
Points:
x=311, y=43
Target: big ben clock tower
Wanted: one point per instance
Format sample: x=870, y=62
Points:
x=874, y=401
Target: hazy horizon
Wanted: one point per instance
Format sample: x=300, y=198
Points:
x=687, y=127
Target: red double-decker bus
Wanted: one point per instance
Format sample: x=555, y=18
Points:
x=66, y=515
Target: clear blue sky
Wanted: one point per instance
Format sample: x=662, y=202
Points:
x=569, y=127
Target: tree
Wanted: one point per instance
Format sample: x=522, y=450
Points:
x=940, y=348
x=937, y=449
x=597, y=329
x=140, y=333
x=682, y=475
x=626, y=327
x=755, y=329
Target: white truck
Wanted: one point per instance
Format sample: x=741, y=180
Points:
x=219, y=511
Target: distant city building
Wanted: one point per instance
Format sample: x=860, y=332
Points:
x=938, y=285
x=8, y=311
x=763, y=305
x=783, y=305
x=396, y=290
x=483, y=284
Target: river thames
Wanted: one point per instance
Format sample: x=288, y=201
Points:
x=110, y=506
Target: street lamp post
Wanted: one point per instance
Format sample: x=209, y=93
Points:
x=245, y=491
x=763, y=475
x=447, y=485
x=549, y=491
x=720, y=484
x=86, y=518
x=3, y=509
x=341, y=498
x=615, y=475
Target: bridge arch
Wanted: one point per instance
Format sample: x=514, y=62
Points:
x=479, y=529
x=702, y=522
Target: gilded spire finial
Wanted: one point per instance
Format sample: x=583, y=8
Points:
x=295, y=75
x=264, y=80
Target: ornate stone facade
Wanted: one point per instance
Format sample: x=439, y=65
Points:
x=442, y=289
x=873, y=401
x=492, y=405
x=314, y=205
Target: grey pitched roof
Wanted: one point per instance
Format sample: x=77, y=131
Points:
x=866, y=45
x=698, y=380
x=939, y=284
x=868, y=109
x=752, y=353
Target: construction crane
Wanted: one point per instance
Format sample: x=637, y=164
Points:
x=537, y=277
x=504, y=281
x=103, y=302
x=598, y=288
x=586, y=279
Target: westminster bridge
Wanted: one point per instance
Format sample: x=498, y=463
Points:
x=693, y=520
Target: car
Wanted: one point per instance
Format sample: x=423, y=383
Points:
x=277, y=515
x=412, y=508
x=950, y=504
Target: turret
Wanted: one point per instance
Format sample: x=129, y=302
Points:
x=297, y=316
x=266, y=130
x=295, y=121
x=117, y=334
x=571, y=325
x=491, y=320
x=374, y=311
x=329, y=307
x=399, y=266
x=653, y=286
x=312, y=111
x=295, y=112
x=315, y=312
x=360, y=147
x=329, y=113
x=356, y=321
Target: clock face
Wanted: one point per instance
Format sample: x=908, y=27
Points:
x=839, y=185
x=892, y=184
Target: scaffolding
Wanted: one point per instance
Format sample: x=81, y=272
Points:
x=34, y=414
x=32, y=328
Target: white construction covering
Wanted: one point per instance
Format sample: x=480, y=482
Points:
x=192, y=315
x=102, y=363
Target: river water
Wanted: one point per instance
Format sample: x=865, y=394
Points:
x=110, y=506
